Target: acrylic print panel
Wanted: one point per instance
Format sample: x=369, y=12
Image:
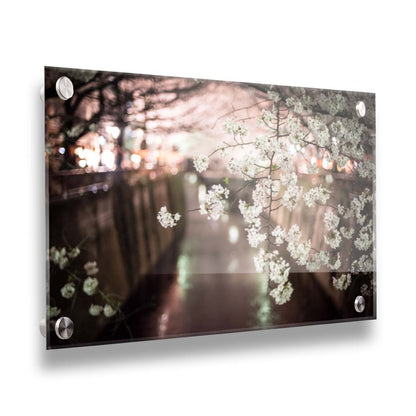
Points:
x=183, y=207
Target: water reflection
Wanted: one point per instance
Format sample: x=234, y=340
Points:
x=192, y=178
x=233, y=234
x=233, y=265
x=184, y=274
x=262, y=303
x=163, y=324
x=201, y=193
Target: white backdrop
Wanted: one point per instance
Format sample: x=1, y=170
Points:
x=334, y=369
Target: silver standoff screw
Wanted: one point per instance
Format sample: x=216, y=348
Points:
x=359, y=304
x=64, y=88
x=64, y=328
x=42, y=327
x=360, y=109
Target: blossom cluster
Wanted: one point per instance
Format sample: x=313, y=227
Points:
x=331, y=220
x=279, y=234
x=52, y=311
x=364, y=264
x=201, y=163
x=364, y=241
x=276, y=266
x=300, y=252
x=91, y=268
x=166, y=219
x=278, y=271
x=366, y=169
x=300, y=104
x=274, y=96
x=342, y=282
x=107, y=310
x=347, y=232
x=288, y=178
x=90, y=285
x=267, y=145
x=267, y=118
x=235, y=128
x=213, y=202
x=68, y=290
x=296, y=133
x=254, y=236
x=365, y=237
x=282, y=293
x=347, y=142
x=283, y=158
x=317, y=260
x=88, y=282
x=334, y=261
x=61, y=256
x=333, y=238
x=250, y=213
x=248, y=166
x=291, y=196
x=316, y=194
x=319, y=131
x=333, y=103
x=294, y=234
x=367, y=290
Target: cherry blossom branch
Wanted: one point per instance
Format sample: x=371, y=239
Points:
x=228, y=146
x=239, y=109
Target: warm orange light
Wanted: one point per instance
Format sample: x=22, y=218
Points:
x=135, y=159
x=108, y=159
x=114, y=131
x=327, y=163
x=349, y=166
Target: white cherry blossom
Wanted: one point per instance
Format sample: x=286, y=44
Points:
x=201, y=163
x=213, y=202
x=166, y=219
x=90, y=286
x=342, y=282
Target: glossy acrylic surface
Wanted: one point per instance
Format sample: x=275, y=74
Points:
x=181, y=207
